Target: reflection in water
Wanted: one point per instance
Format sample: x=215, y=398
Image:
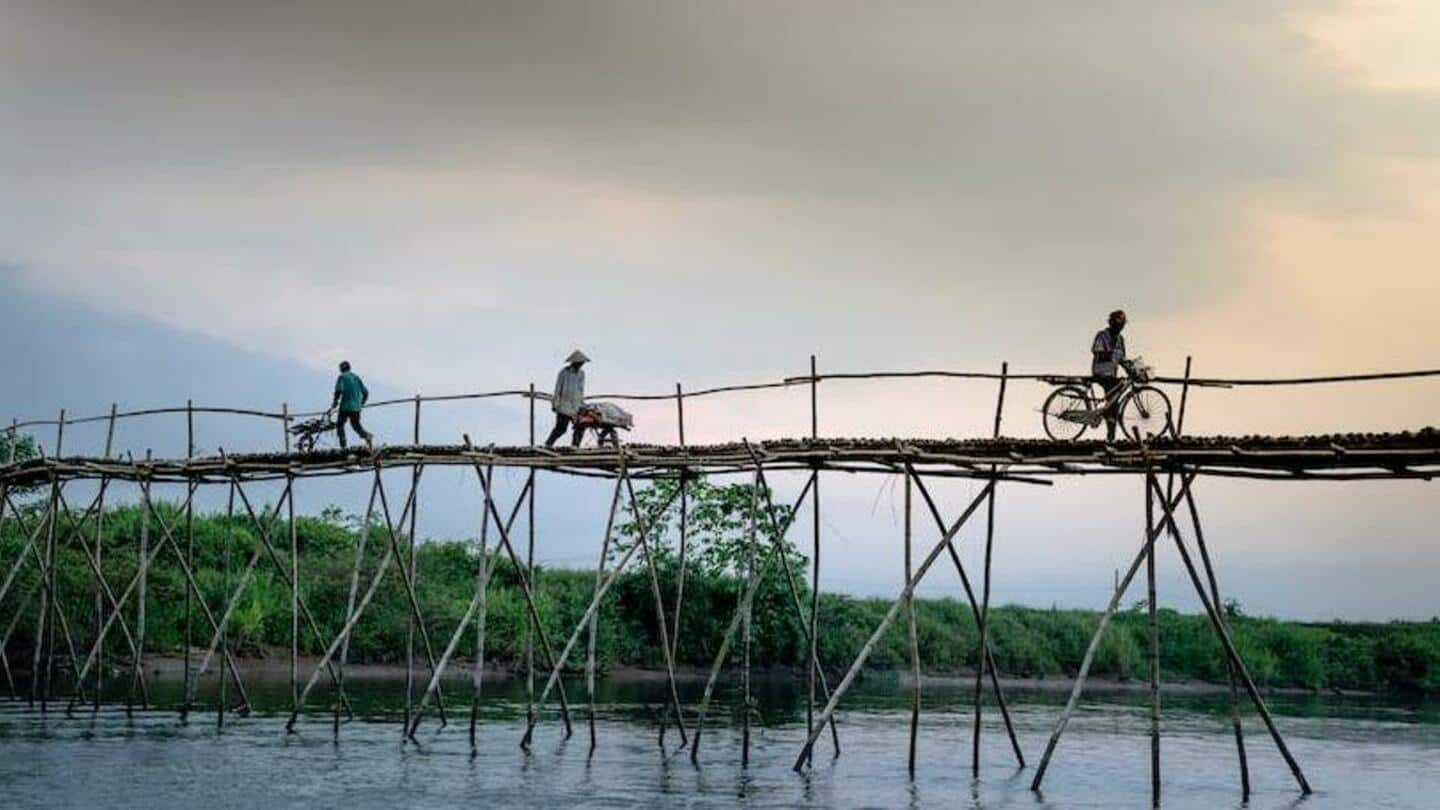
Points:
x=1357, y=753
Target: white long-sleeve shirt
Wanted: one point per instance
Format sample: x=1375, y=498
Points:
x=569, y=392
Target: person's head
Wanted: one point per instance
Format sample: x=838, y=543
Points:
x=344, y=366
x=1117, y=320
x=577, y=359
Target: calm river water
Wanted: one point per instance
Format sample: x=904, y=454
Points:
x=1357, y=754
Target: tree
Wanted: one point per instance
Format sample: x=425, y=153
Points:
x=717, y=526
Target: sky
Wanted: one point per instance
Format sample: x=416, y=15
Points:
x=455, y=195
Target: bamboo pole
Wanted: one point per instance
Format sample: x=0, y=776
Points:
x=438, y=672
x=44, y=655
x=777, y=533
x=1212, y=612
x=889, y=619
x=983, y=653
x=410, y=579
x=914, y=640
x=190, y=556
x=975, y=613
x=684, y=533
x=777, y=550
x=360, y=543
x=482, y=574
x=100, y=559
x=746, y=614
x=1229, y=667
x=1154, y=622
x=224, y=637
x=643, y=532
x=595, y=614
x=1099, y=635
x=813, y=664
x=593, y=609
x=529, y=598
x=392, y=552
x=532, y=627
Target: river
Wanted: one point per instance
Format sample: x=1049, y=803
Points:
x=1357, y=753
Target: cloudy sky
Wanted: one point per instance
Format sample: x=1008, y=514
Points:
x=454, y=195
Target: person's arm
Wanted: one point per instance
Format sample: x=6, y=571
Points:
x=335, y=402
x=364, y=392
x=1101, y=351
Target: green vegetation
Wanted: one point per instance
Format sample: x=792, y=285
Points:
x=1029, y=642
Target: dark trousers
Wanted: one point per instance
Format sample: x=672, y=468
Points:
x=353, y=417
x=1112, y=403
x=561, y=423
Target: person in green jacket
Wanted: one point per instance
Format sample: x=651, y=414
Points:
x=350, y=397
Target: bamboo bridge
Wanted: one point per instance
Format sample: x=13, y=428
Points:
x=1171, y=464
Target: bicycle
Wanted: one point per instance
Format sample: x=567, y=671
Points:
x=1142, y=410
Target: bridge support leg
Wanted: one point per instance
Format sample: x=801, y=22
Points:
x=1150, y=534
x=914, y=637
x=987, y=652
x=482, y=579
x=1212, y=611
x=845, y=683
x=983, y=654
x=643, y=539
x=1229, y=667
x=594, y=623
x=1154, y=620
x=530, y=605
x=484, y=568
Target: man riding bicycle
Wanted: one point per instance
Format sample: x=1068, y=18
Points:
x=1108, y=357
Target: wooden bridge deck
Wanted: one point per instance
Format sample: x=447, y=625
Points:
x=1410, y=454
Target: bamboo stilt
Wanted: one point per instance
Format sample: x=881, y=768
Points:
x=983, y=655
x=889, y=619
x=643, y=532
x=594, y=624
x=190, y=557
x=360, y=543
x=412, y=570
x=684, y=535
x=224, y=621
x=432, y=688
x=482, y=576
x=975, y=613
x=1099, y=635
x=531, y=629
x=746, y=611
x=777, y=550
x=1212, y=612
x=1154, y=623
x=529, y=600
x=914, y=639
x=100, y=559
x=813, y=662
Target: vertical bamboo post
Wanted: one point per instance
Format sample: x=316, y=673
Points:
x=914, y=635
x=189, y=557
x=51, y=580
x=360, y=543
x=414, y=571
x=684, y=533
x=595, y=616
x=225, y=622
x=1154, y=648
x=1152, y=532
x=746, y=616
x=531, y=628
x=1212, y=612
x=138, y=672
x=984, y=628
x=1229, y=667
x=100, y=559
x=482, y=574
x=813, y=663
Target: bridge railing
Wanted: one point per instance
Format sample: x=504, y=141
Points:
x=678, y=396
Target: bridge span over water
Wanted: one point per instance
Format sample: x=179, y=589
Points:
x=1170, y=464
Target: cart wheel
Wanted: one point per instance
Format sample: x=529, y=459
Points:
x=1067, y=413
x=306, y=443
x=1145, y=414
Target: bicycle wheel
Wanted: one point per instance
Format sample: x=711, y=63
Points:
x=1145, y=414
x=1067, y=413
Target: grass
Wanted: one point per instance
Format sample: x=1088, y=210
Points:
x=1028, y=642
